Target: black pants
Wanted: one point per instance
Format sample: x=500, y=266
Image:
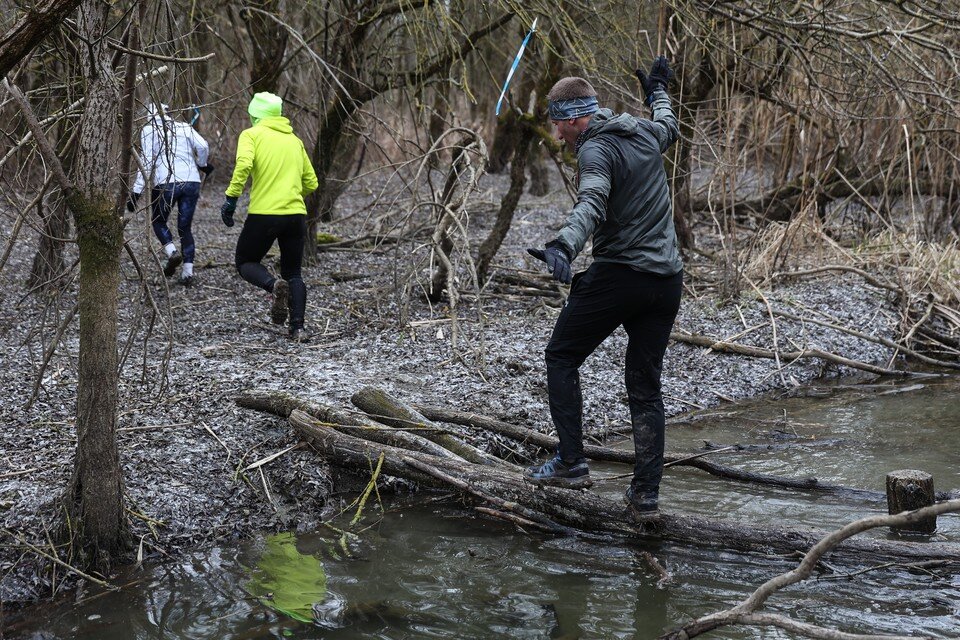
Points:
x=603, y=298
x=257, y=236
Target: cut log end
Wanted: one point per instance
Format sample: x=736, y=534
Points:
x=908, y=490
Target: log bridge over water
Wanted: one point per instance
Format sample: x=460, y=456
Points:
x=414, y=445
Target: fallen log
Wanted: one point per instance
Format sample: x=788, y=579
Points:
x=591, y=512
x=382, y=407
x=759, y=352
x=281, y=403
x=623, y=456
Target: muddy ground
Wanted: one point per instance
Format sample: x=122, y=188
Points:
x=184, y=443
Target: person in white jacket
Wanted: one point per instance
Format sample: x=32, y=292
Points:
x=173, y=155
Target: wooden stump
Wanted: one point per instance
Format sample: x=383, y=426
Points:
x=908, y=490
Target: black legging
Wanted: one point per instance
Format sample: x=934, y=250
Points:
x=257, y=236
x=604, y=297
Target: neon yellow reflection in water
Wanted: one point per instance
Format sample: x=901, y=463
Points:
x=286, y=580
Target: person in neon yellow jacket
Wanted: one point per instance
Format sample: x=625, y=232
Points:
x=270, y=154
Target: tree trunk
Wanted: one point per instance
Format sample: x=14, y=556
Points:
x=539, y=172
x=95, y=497
x=48, y=265
x=333, y=154
x=438, y=282
x=508, y=206
x=269, y=41
x=504, y=142
x=438, y=122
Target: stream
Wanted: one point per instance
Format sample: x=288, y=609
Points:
x=426, y=566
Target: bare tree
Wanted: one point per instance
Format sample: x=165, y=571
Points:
x=94, y=499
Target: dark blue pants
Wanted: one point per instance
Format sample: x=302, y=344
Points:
x=257, y=236
x=185, y=195
x=603, y=298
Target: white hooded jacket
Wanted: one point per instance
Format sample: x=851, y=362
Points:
x=171, y=150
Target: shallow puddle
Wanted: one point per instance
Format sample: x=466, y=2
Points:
x=435, y=570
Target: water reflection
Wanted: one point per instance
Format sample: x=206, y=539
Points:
x=286, y=580
x=441, y=572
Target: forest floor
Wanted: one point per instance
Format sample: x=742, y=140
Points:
x=184, y=444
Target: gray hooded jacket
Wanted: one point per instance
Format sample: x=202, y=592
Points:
x=623, y=199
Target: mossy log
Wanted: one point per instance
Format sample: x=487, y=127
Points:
x=590, y=512
x=382, y=407
x=281, y=403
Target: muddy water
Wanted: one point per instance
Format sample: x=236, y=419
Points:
x=432, y=570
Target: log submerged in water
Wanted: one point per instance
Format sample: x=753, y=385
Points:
x=404, y=417
x=623, y=456
x=589, y=512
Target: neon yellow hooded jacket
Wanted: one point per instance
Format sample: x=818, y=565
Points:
x=281, y=172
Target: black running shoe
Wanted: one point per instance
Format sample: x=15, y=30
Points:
x=643, y=507
x=281, y=296
x=557, y=473
x=299, y=334
x=173, y=261
x=186, y=281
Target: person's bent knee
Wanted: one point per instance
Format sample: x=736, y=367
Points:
x=557, y=358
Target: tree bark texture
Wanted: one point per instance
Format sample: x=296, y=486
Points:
x=33, y=27
x=508, y=205
x=48, y=264
x=283, y=404
x=909, y=490
x=95, y=499
x=589, y=512
x=539, y=172
x=438, y=282
x=504, y=142
x=269, y=42
x=383, y=408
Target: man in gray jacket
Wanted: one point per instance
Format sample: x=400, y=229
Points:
x=635, y=280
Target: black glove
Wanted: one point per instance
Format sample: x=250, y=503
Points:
x=659, y=77
x=226, y=210
x=557, y=260
x=132, y=201
x=206, y=170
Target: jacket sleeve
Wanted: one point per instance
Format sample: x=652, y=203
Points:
x=243, y=166
x=664, y=120
x=309, y=176
x=201, y=150
x=595, y=168
x=148, y=159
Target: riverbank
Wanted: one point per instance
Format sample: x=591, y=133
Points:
x=186, y=448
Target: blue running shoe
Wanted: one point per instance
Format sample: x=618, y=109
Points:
x=557, y=473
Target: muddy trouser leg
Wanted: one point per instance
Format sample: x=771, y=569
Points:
x=592, y=312
x=258, y=233
x=649, y=331
x=291, y=241
x=161, y=201
x=186, y=195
